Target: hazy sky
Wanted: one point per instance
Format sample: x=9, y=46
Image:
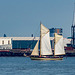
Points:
x=20, y=18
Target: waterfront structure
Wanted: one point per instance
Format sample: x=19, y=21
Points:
x=24, y=42
x=73, y=29
x=73, y=35
x=55, y=30
x=5, y=43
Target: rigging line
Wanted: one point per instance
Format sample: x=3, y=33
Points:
x=37, y=31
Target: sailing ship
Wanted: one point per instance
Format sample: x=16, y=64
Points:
x=46, y=52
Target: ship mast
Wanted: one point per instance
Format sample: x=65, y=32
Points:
x=40, y=38
x=54, y=44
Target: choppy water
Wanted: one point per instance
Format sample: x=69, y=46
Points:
x=26, y=66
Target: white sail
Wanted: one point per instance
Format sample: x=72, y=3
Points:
x=35, y=50
x=59, y=45
x=45, y=41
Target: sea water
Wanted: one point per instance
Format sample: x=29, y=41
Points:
x=26, y=66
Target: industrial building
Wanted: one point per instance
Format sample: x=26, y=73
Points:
x=23, y=42
x=55, y=30
x=5, y=43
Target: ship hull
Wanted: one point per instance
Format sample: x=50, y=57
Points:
x=46, y=58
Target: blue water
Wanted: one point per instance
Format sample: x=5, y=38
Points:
x=26, y=66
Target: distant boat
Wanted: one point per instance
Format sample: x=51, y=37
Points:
x=45, y=46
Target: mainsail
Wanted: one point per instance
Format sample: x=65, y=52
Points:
x=59, y=45
x=45, y=41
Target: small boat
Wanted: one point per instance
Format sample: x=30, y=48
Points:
x=46, y=52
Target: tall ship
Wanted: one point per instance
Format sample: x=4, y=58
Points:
x=46, y=52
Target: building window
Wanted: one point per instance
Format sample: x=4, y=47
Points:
x=8, y=42
x=2, y=42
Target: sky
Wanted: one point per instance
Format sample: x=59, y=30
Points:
x=21, y=18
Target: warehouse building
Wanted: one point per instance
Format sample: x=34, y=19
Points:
x=23, y=42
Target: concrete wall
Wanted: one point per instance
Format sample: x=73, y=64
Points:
x=6, y=46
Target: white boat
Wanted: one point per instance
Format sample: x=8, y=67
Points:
x=46, y=52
